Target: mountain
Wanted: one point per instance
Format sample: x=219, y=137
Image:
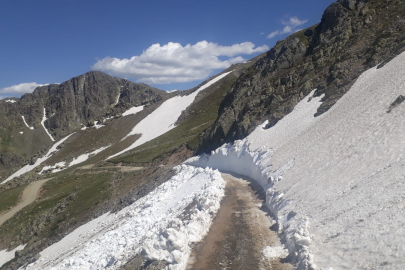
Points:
x=111, y=151
x=54, y=111
x=351, y=37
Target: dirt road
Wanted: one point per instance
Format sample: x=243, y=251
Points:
x=239, y=233
x=30, y=194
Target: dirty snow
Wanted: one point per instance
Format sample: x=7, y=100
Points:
x=43, y=124
x=6, y=256
x=335, y=183
x=133, y=110
x=162, y=225
x=163, y=118
x=25, y=122
x=275, y=252
x=28, y=167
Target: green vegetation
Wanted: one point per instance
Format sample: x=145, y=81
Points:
x=65, y=199
x=202, y=114
x=10, y=197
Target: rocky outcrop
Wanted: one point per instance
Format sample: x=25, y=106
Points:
x=352, y=36
x=84, y=99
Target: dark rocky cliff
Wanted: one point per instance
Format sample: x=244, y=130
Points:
x=84, y=99
x=79, y=101
x=351, y=37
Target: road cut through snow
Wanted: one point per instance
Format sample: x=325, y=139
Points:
x=164, y=117
x=334, y=183
x=162, y=225
x=239, y=237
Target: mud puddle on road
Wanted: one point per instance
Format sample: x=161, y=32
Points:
x=30, y=194
x=239, y=233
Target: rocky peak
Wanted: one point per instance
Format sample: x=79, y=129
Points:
x=353, y=35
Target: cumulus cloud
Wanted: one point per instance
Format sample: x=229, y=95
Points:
x=174, y=63
x=21, y=88
x=290, y=26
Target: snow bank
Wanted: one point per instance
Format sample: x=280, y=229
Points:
x=25, y=122
x=335, y=183
x=29, y=167
x=6, y=256
x=133, y=110
x=160, y=225
x=163, y=118
x=43, y=124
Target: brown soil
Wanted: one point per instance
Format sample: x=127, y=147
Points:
x=239, y=233
x=30, y=194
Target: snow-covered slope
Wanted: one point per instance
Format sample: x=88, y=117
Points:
x=335, y=183
x=163, y=118
x=153, y=224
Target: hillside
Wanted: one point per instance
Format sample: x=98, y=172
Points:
x=127, y=173
x=352, y=37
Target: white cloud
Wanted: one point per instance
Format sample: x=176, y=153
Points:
x=290, y=26
x=21, y=88
x=174, y=63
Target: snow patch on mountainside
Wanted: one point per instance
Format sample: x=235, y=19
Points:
x=163, y=118
x=335, y=183
x=43, y=124
x=133, y=110
x=80, y=159
x=162, y=225
x=25, y=122
x=39, y=161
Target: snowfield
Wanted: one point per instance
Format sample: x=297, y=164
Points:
x=163, y=118
x=162, y=225
x=335, y=183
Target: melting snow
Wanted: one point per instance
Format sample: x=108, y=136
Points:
x=163, y=118
x=153, y=225
x=133, y=110
x=28, y=168
x=43, y=124
x=335, y=183
x=25, y=122
x=82, y=158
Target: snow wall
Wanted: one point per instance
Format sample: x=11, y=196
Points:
x=334, y=183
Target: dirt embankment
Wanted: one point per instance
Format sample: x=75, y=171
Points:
x=239, y=233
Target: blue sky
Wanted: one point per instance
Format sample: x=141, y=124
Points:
x=51, y=41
